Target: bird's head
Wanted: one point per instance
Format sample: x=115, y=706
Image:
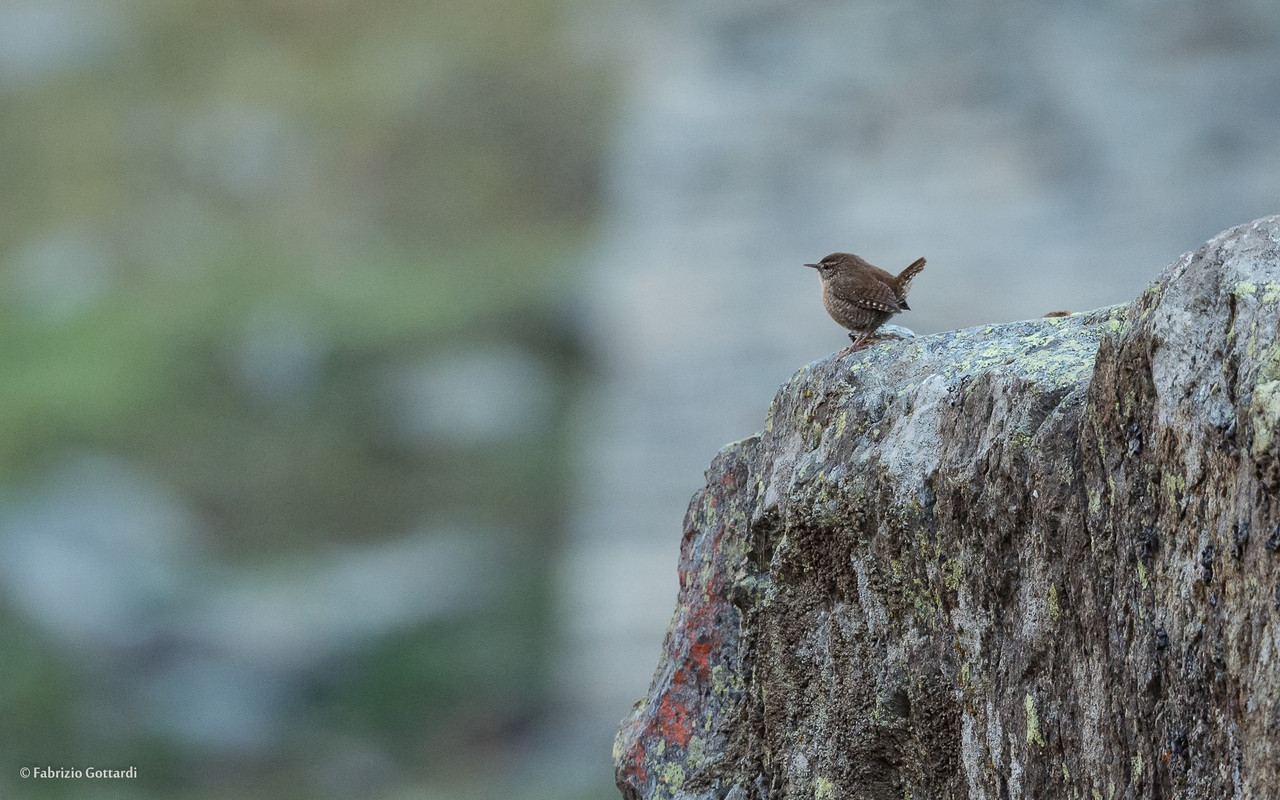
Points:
x=834, y=264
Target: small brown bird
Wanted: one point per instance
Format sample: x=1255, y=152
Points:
x=862, y=297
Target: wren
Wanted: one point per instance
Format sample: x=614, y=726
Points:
x=862, y=297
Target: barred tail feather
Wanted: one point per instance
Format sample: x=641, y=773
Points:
x=904, y=278
x=910, y=272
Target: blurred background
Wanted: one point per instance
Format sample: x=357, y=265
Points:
x=357, y=361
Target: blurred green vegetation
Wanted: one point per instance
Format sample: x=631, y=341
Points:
x=396, y=180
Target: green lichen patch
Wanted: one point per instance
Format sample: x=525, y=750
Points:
x=1174, y=485
x=697, y=752
x=952, y=573
x=1269, y=364
x=1033, y=722
x=1265, y=413
x=673, y=775
x=1270, y=292
x=1095, y=500
x=1059, y=352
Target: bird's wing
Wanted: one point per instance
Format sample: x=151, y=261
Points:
x=878, y=296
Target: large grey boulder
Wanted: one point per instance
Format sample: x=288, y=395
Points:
x=1036, y=559
x=1041, y=155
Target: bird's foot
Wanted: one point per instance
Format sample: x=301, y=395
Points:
x=885, y=333
x=859, y=343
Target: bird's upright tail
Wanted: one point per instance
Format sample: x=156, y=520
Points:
x=904, y=278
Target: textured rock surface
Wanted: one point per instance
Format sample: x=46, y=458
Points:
x=1040, y=154
x=1029, y=560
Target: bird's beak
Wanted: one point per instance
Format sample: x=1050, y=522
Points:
x=815, y=266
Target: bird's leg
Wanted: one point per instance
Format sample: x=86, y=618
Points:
x=858, y=344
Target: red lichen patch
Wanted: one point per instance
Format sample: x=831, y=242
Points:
x=700, y=653
x=660, y=733
x=674, y=713
x=637, y=764
x=715, y=542
x=635, y=738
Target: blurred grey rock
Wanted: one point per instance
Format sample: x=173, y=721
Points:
x=106, y=561
x=41, y=38
x=251, y=152
x=280, y=355
x=62, y=273
x=225, y=673
x=479, y=395
x=99, y=553
x=306, y=612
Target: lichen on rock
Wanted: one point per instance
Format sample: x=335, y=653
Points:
x=1037, y=559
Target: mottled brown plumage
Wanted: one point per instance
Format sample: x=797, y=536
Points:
x=862, y=297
